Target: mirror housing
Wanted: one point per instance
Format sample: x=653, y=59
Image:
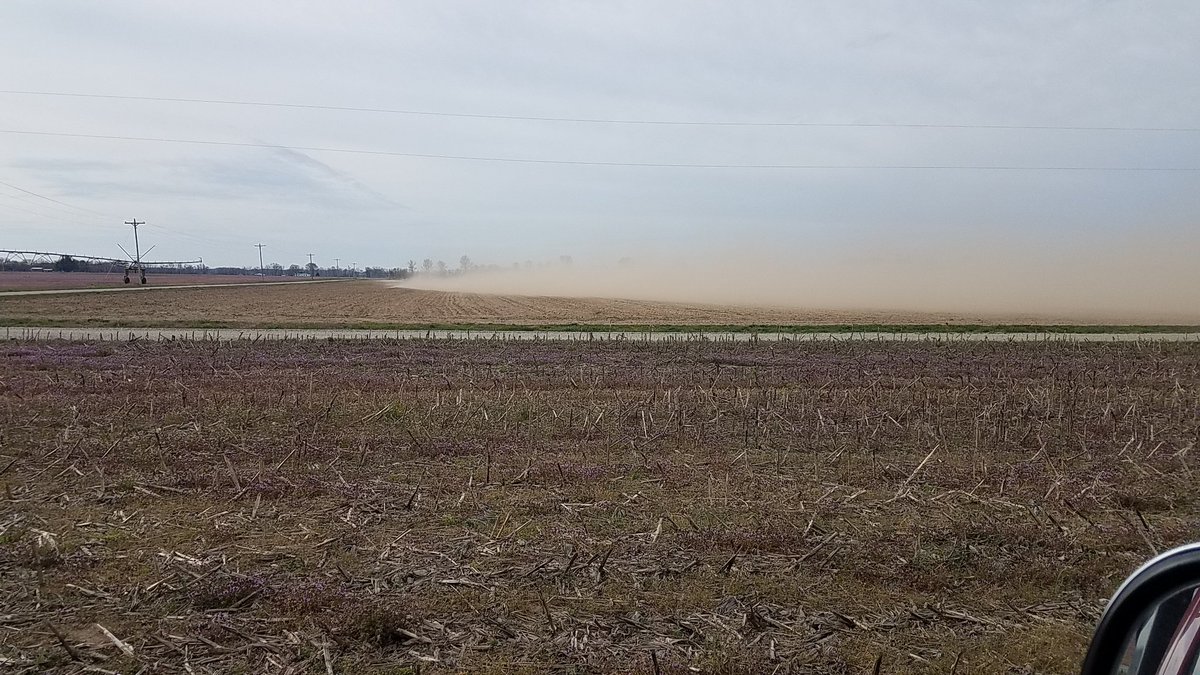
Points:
x=1124, y=627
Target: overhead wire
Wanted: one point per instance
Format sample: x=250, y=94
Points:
x=51, y=210
x=602, y=120
x=51, y=199
x=59, y=210
x=105, y=220
x=568, y=162
x=40, y=214
x=64, y=215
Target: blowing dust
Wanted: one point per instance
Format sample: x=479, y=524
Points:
x=1122, y=282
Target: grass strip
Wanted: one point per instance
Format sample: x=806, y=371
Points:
x=787, y=329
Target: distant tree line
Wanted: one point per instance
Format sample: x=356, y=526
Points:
x=466, y=266
x=68, y=263
x=314, y=270
x=428, y=266
x=71, y=264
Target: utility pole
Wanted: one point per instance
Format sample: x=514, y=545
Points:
x=136, y=265
x=260, y=262
x=137, y=251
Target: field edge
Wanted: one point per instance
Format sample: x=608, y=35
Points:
x=785, y=329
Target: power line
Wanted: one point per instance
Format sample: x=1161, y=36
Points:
x=40, y=214
x=51, y=199
x=98, y=216
x=62, y=211
x=136, y=246
x=222, y=241
x=94, y=215
x=567, y=162
x=59, y=214
x=599, y=120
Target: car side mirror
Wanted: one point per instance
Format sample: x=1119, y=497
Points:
x=1151, y=625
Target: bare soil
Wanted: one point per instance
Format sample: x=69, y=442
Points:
x=358, y=303
x=38, y=281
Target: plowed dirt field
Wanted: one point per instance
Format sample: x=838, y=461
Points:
x=366, y=303
x=45, y=281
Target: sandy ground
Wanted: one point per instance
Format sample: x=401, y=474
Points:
x=362, y=304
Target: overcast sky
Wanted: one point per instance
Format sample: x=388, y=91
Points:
x=1077, y=64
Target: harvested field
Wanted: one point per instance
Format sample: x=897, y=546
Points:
x=371, y=304
x=595, y=507
x=45, y=281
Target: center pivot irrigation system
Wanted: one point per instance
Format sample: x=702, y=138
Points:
x=133, y=263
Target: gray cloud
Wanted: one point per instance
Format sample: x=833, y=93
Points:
x=275, y=173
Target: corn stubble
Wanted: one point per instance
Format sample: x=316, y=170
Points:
x=424, y=506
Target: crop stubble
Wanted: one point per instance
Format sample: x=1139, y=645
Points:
x=616, y=506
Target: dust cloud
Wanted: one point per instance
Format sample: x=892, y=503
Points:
x=1126, y=281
